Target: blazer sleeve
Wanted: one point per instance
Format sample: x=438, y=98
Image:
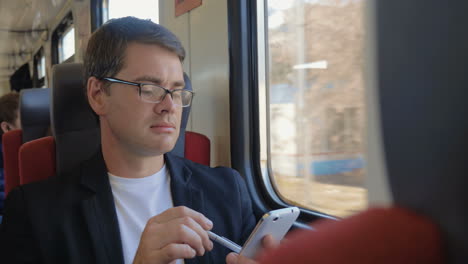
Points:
x=17, y=243
x=248, y=217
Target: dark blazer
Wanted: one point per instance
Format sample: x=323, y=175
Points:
x=71, y=218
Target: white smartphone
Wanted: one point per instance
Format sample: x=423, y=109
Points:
x=275, y=223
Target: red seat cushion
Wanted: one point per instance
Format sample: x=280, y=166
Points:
x=37, y=160
x=11, y=142
x=197, y=148
x=393, y=235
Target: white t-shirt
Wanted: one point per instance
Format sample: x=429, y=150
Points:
x=136, y=201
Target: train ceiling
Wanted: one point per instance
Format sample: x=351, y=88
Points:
x=22, y=27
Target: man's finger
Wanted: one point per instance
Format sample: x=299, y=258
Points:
x=268, y=242
x=177, y=251
x=182, y=211
x=232, y=258
x=177, y=233
x=180, y=230
x=195, y=226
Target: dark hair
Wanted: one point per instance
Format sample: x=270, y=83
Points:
x=8, y=108
x=105, y=53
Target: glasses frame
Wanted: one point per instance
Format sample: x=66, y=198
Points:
x=139, y=85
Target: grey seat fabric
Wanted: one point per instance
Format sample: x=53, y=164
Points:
x=34, y=113
x=423, y=111
x=74, y=125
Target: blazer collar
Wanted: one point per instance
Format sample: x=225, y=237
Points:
x=99, y=211
x=186, y=192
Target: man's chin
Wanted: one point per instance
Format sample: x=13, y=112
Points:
x=159, y=149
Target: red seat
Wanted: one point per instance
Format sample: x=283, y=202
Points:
x=11, y=141
x=197, y=148
x=37, y=160
x=376, y=236
x=37, y=157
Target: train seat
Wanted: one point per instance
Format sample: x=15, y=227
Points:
x=37, y=160
x=197, y=148
x=377, y=235
x=35, y=121
x=74, y=125
x=11, y=142
x=35, y=113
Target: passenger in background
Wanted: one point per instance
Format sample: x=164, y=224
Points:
x=9, y=120
x=133, y=202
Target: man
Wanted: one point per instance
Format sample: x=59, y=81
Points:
x=9, y=120
x=132, y=202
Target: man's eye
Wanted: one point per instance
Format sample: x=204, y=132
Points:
x=177, y=95
x=146, y=91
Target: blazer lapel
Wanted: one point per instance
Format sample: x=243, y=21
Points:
x=184, y=193
x=99, y=211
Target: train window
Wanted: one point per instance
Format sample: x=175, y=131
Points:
x=63, y=41
x=39, y=69
x=67, y=44
x=312, y=104
x=146, y=9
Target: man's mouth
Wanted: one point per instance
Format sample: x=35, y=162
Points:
x=163, y=127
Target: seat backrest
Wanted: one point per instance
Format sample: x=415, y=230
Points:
x=74, y=125
x=35, y=114
x=11, y=142
x=197, y=148
x=37, y=157
x=35, y=122
x=37, y=160
x=383, y=236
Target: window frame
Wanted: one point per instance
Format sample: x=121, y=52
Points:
x=97, y=14
x=60, y=30
x=39, y=82
x=244, y=110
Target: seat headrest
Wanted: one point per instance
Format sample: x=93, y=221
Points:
x=35, y=113
x=70, y=108
x=179, y=148
x=74, y=124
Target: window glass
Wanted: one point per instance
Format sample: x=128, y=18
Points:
x=145, y=9
x=41, y=67
x=314, y=104
x=67, y=44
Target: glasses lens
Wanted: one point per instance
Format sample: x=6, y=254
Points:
x=155, y=94
x=152, y=93
x=182, y=97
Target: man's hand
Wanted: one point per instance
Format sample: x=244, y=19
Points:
x=177, y=233
x=267, y=242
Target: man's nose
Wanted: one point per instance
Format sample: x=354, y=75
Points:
x=166, y=104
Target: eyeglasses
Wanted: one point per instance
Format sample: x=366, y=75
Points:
x=153, y=93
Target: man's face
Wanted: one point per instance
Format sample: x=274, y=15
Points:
x=140, y=127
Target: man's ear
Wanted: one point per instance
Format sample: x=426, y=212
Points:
x=5, y=126
x=96, y=95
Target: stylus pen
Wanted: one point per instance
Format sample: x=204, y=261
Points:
x=225, y=242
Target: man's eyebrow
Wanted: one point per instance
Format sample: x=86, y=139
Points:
x=155, y=80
